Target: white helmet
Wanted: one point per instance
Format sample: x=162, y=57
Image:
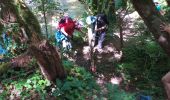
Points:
x=155, y=1
x=90, y=19
x=79, y=24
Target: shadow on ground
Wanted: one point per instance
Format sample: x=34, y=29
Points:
x=105, y=60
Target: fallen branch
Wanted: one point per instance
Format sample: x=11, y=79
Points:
x=20, y=61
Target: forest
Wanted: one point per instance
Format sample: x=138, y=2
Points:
x=84, y=49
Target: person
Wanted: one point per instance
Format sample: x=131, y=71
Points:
x=99, y=25
x=66, y=27
x=90, y=20
x=166, y=78
x=158, y=7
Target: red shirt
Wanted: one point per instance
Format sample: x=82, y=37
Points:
x=69, y=26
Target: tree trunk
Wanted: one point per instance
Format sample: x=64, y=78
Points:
x=45, y=54
x=168, y=2
x=48, y=60
x=45, y=18
x=120, y=22
x=152, y=19
x=19, y=61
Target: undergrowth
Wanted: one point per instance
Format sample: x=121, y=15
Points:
x=79, y=85
x=144, y=63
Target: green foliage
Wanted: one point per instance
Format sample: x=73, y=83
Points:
x=33, y=83
x=115, y=93
x=120, y=4
x=80, y=84
x=3, y=95
x=167, y=14
x=144, y=63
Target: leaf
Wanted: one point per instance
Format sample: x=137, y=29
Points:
x=66, y=86
x=41, y=82
x=48, y=83
x=59, y=83
x=28, y=81
x=28, y=86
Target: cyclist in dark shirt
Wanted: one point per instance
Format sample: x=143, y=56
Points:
x=100, y=29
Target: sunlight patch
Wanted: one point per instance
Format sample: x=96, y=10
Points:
x=116, y=80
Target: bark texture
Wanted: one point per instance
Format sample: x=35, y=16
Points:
x=152, y=19
x=48, y=60
x=46, y=55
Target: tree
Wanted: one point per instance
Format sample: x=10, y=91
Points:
x=45, y=19
x=121, y=7
x=168, y=2
x=46, y=55
x=44, y=7
x=152, y=19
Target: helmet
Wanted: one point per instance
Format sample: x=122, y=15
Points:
x=155, y=1
x=90, y=19
x=79, y=24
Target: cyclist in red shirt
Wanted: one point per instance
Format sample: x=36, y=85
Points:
x=65, y=32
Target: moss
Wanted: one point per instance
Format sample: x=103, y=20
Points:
x=25, y=18
x=31, y=20
x=4, y=67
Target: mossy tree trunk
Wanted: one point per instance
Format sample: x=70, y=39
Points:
x=46, y=55
x=152, y=19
